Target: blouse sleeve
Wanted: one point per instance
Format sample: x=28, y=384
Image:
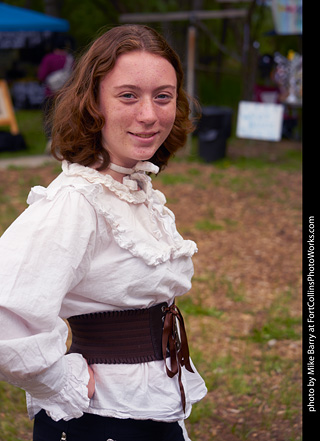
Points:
x=43, y=255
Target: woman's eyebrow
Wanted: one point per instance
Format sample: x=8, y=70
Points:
x=166, y=86
x=134, y=87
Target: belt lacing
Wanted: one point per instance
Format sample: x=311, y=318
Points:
x=174, y=337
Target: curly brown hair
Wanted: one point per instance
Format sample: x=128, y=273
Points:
x=76, y=118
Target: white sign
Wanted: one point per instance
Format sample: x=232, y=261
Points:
x=287, y=16
x=260, y=120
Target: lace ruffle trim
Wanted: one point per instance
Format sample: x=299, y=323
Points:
x=171, y=246
x=135, y=187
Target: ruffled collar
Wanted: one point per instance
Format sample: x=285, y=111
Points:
x=136, y=187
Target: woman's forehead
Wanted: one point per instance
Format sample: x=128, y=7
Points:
x=138, y=67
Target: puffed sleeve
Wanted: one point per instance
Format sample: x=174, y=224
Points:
x=43, y=255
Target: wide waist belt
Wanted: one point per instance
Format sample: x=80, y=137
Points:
x=133, y=336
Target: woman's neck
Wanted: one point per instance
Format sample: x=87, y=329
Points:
x=117, y=172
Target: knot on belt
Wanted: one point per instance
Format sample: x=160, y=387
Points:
x=174, y=339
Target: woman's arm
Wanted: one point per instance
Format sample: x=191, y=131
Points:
x=43, y=255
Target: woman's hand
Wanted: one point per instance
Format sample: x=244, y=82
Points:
x=91, y=384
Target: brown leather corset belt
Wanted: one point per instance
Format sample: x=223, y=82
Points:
x=133, y=336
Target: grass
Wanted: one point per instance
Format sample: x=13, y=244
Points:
x=14, y=426
x=30, y=126
x=189, y=307
x=279, y=324
x=208, y=225
x=243, y=312
x=290, y=160
x=170, y=179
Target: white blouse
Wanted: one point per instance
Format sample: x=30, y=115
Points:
x=89, y=243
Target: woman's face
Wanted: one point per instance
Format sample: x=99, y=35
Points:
x=138, y=100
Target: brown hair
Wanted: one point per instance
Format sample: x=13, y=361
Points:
x=77, y=120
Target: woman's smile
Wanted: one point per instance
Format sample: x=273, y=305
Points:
x=144, y=135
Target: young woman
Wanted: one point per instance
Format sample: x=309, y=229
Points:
x=99, y=248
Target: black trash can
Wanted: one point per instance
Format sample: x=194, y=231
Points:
x=214, y=128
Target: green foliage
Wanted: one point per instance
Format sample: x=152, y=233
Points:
x=88, y=18
x=223, y=92
x=219, y=72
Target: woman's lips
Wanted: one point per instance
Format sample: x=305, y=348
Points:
x=144, y=135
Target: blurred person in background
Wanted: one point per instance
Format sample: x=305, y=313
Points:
x=54, y=70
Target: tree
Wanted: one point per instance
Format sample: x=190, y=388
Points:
x=52, y=7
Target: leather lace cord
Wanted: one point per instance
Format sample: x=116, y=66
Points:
x=174, y=337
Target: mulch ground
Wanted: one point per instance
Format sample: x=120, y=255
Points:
x=254, y=247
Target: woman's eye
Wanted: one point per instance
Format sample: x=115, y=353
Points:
x=127, y=95
x=163, y=97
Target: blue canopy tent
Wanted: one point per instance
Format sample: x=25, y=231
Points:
x=13, y=18
x=25, y=29
x=21, y=27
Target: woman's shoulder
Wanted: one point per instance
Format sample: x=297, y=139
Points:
x=60, y=186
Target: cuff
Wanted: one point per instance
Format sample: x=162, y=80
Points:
x=72, y=400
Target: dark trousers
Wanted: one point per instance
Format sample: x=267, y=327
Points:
x=97, y=428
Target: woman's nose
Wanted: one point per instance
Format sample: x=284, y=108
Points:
x=147, y=113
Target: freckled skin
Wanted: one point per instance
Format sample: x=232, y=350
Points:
x=138, y=100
